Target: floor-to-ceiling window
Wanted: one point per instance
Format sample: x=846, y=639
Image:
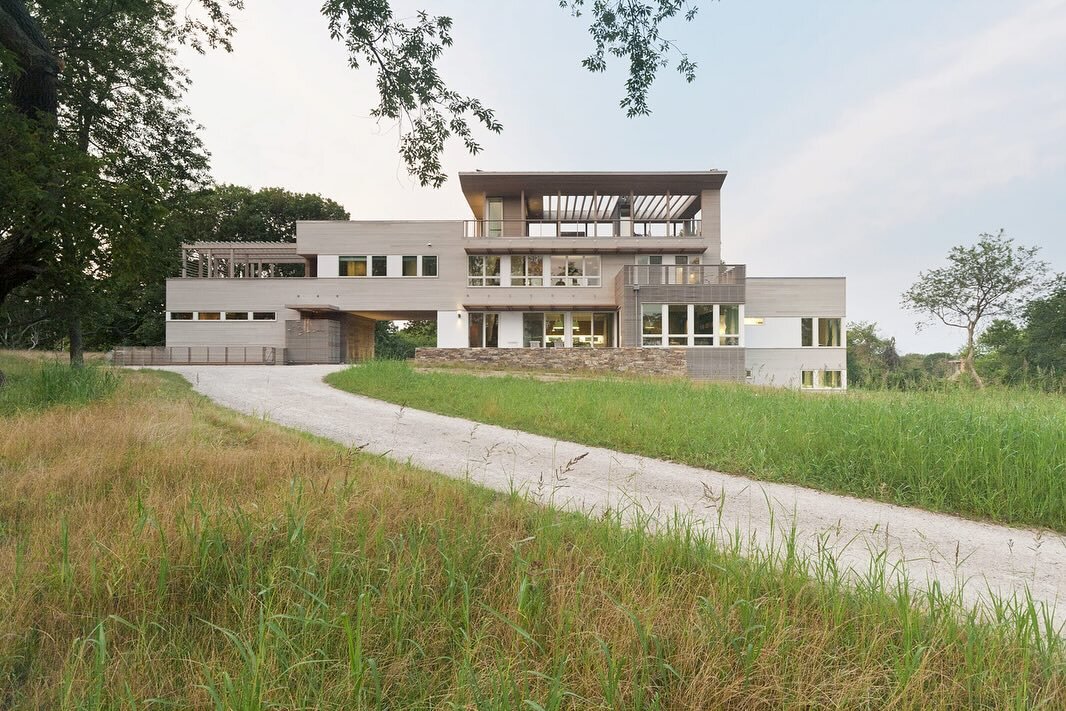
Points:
x=578, y=329
x=484, y=330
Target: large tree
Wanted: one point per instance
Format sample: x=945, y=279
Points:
x=991, y=279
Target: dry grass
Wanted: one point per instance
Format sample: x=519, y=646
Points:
x=155, y=548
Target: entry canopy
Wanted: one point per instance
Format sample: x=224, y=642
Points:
x=595, y=196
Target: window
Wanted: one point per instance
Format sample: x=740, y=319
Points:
x=677, y=324
x=236, y=315
x=650, y=259
x=379, y=266
x=484, y=270
x=831, y=379
x=208, y=316
x=555, y=329
x=532, y=330
x=806, y=332
x=527, y=271
x=806, y=379
x=429, y=266
x=703, y=325
x=829, y=332
x=729, y=325
x=575, y=270
x=592, y=329
x=181, y=315
x=484, y=330
x=410, y=266
x=494, y=217
x=651, y=324
x=353, y=266
x=264, y=316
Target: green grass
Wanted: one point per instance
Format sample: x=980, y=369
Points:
x=994, y=454
x=159, y=551
x=40, y=382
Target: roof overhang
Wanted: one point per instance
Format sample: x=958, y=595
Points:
x=541, y=307
x=476, y=185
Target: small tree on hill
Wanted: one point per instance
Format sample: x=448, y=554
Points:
x=991, y=279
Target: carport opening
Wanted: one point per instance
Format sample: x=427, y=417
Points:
x=327, y=334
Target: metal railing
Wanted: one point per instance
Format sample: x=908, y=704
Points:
x=682, y=275
x=196, y=355
x=582, y=229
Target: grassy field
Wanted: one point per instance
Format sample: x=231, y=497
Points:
x=159, y=551
x=996, y=454
x=35, y=380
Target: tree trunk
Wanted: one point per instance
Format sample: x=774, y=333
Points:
x=967, y=359
x=77, y=348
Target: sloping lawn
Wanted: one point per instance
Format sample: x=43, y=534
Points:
x=159, y=551
x=996, y=454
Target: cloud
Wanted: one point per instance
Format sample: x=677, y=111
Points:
x=986, y=109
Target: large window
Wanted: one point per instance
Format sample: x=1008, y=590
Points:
x=690, y=325
x=677, y=324
x=353, y=266
x=555, y=329
x=703, y=325
x=651, y=324
x=831, y=379
x=587, y=329
x=829, y=332
x=591, y=330
x=575, y=270
x=484, y=270
x=484, y=330
x=828, y=329
x=532, y=330
x=729, y=325
x=527, y=271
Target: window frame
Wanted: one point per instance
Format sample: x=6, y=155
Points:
x=413, y=261
x=425, y=259
x=524, y=277
x=831, y=334
x=354, y=259
x=485, y=277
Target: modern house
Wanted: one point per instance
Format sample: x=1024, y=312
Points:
x=548, y=261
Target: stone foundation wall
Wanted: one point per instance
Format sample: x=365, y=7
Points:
x=645, y=361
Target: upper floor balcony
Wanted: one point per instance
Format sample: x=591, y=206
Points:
x=563, y=228
x=638, y=275
x=234, y=260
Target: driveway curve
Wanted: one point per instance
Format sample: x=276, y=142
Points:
x=958, y=554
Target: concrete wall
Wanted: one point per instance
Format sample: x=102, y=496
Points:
x=781, y=366
x=644, y=361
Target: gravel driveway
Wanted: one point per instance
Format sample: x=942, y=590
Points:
x=928, y=546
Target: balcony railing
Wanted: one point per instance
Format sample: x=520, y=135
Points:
x=569, y=229
x=682, y=275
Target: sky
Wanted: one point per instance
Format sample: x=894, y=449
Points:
x=862, y=139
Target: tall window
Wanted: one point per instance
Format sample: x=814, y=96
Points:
x=533, y=330
x=353, y=266
x=703, y=325
x=729, y=325
x=494, y=217
x=429, y=266
x=484, y=330
x=651, y=324
x=828, y=332
x=575, y=270
x=527, y=271
x=806, y=332
x=806, y=379
x=484, y=270
x=410, y=266
x=831, y=379
x=555, y=329
x=591, y=330
x=379, y=266
x=677, y=324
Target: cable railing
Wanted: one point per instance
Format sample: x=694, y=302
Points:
x=580, y=229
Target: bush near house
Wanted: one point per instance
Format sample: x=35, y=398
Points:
x=157, y=550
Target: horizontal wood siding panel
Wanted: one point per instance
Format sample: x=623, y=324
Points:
x=789, y=296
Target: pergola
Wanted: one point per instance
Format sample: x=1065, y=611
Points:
x=238, y=259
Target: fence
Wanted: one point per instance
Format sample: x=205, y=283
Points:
x=197, y=355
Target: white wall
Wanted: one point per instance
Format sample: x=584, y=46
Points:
x=773, y=333
x=328, y=265
x=781, y=366
x=452, y=330
x=511, y=329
